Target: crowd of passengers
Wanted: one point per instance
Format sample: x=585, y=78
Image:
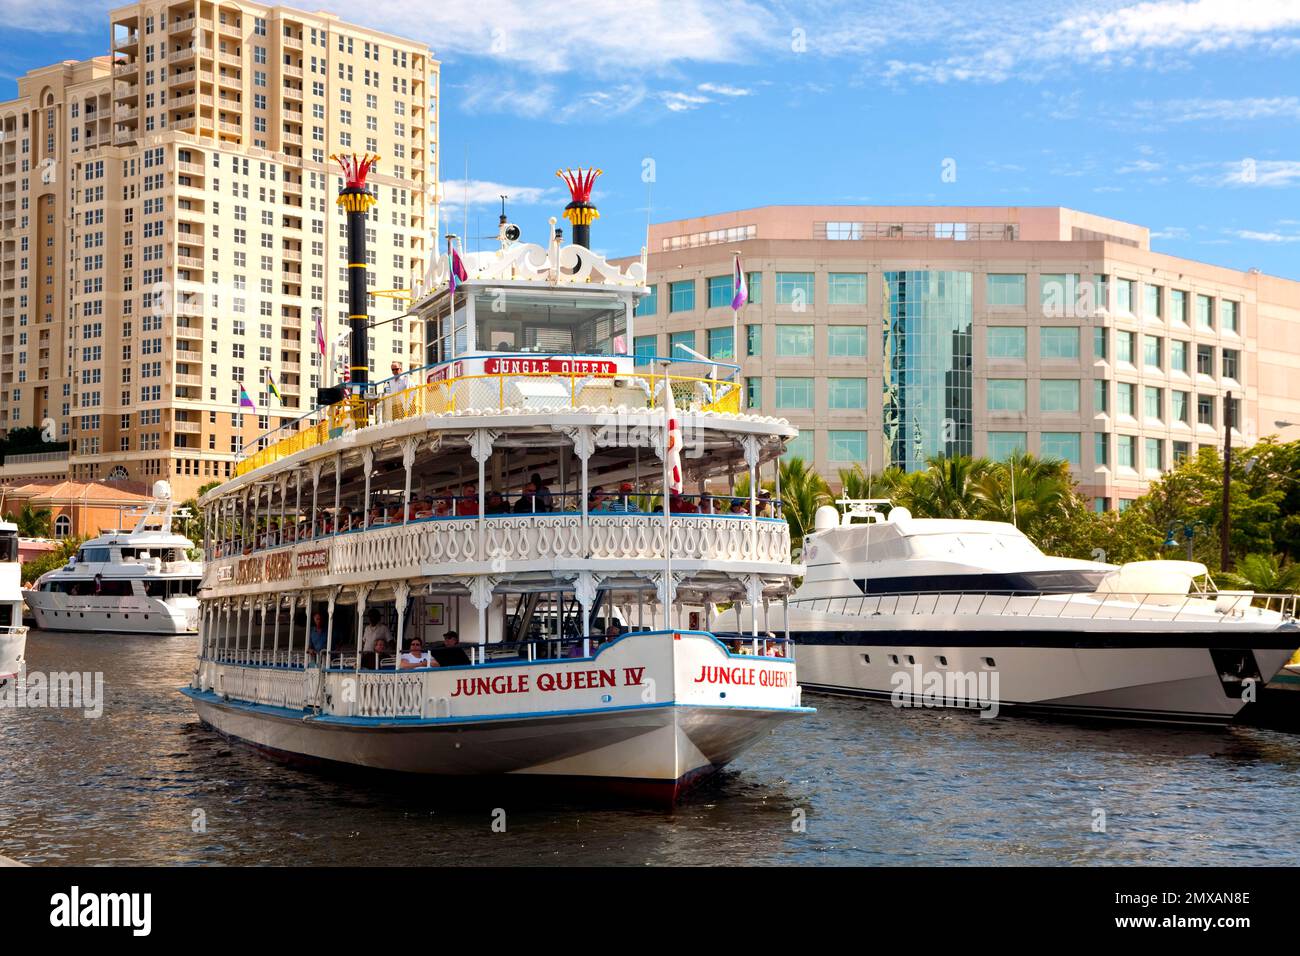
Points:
x=378, y=649
x=535, y=498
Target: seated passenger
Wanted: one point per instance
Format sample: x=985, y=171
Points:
x=739, y=507
x=373, y=660
x=451, y=654
x=416, y=656
x=765, y=504
x=445, y=508
x=318, y=637
x=596, y=500
x=545, y=500
x=495, y=504
x=624, y=504
x=613, y=632
x=468, y=504
x=422, y=509
x=374, y=630
x=527, y=502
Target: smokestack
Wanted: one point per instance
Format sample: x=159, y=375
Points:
x=580, y=212
x=355, y=201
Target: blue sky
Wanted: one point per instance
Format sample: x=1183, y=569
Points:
x=1180, y=115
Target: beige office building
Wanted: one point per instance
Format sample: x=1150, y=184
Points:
x=891, y=334
x=168, y=228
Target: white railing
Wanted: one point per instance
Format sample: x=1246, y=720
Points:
x=292, y=689
x=388, y=695
x=517, y=538
x=1223, y=607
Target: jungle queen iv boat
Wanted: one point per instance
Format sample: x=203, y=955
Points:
x=461, y=506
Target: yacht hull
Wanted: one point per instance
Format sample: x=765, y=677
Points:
x=13, y=644
x=55, y=611
x=1193, y=679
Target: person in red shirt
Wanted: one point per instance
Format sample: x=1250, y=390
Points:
x=468, y=504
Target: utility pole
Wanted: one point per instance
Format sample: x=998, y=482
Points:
x=1225, y=557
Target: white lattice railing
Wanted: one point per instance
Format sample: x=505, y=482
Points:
x=274, y=687
x=523, y=538
x=389, y=695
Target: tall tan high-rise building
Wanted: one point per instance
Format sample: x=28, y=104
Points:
x=168, y=229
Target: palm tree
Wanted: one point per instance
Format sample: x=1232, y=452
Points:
x=1264, y=573
x=32, y=523
x=947, y=487
x=1042, y=488
x=803, y=491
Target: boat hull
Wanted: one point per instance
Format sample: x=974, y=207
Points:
x=13, y=644
x=1190, y=679
x=55, y=611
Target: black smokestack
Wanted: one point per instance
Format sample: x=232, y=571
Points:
x=356, y=200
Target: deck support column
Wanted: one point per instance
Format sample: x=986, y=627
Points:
x=363, y=593
x=750, y=444
x=402, y=594
x=338, y=479
x=368, y=463
x=409, y=448
x=754, y=592
x=480, y=446
x=329, y=626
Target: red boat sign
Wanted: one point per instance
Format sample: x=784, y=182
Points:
x=549, y=366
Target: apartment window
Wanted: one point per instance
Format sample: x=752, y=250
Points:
x=753, y=340
x=1204, y=312
x=1151, y=351
x=1124, y=347
x=847, y=288
x=754, y=392
x=1152, y=401
x=648, y=304
x=1006, y=395
x=794, y=341
x=1058, y=343
x=1151, y=303
x=1058, y=293
x=1178, y=306
x=1177, y=356
x=794, y=394
x=722, y=343
x=1099, y=343
x=1006, y=342
x=1153, y=456
x=1205, y=360
x=754, y=286
x=1181, y=450
x=1125, y=450
x=1101, y=449
x=1100, y=397
x=1228, y=315
x=794, y=289
x=1205, y=409
x=1124, y=295
x=846, y=446
x=681, y=295
x=1003, y=445
x=1230, y=364
x=801, y=447
x=1124, y=398
x=1005, y=289
x=846, y=393
x=1178, y=406
x=1065, y=445
x=1058, y=395
x=846, y=341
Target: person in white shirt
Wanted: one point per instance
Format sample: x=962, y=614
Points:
x=399, y=382
x=374, y=629
x=417, y=656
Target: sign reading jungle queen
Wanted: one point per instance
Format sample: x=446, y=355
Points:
x=549, y=366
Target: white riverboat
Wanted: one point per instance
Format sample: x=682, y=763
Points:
x=502, y=507
x=931, y=612
x=141, y=581
x=13, y=635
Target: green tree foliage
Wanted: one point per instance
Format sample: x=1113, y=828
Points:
x=52, y=560
x=32, y=522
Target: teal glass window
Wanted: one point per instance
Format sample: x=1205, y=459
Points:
x=1181, y=450
x=1178, y=306
x=1151, y=348
x=795, y=394
x=1006, y=342
x=754, y=392
x=722, y=344
x=846, y=393
x=681, y=295
x=1006, y=289
x=1151, y=301
x=1124, y=295
x=1056, y=343
x=681, y=338
x=794, y=288
x=1231, y=363
x=1179, y=407
x=1006, y=394
x=1205, y=312
x=645, y=347
x=753, y=340
x=1177, y=355
x=1228, y=312
x=1124, y=397
x=846, y=446
x=1058, y=293
x=847, y=288
x=720, y=291
x=1101, y=448
x=648, y=304
x=1058, y=395
x=1099, y=350
x=794, y=341
x=1002, y=445
x=1124, y=347
x=1153, y=402
x=1100, y=397
x=1061, y=445
x=846, y=341
x=1125, y=450
x=801, y=447
x=754, y=286
x=1153, y=456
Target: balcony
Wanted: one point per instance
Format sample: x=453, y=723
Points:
x=183, y=77
x=230, y=59
x=290, y=367
x=291, y=322
x=292, y=255
x=188, y=379
x=231, y=129
x=124, y=116
x=193, y=169
x=187, y=331
x=125, y=68
x=230, y=30
x=294, y=139
x=181, y=26
x=189, y=262
x=293, y=92
x=128, y=41
x=187, y=428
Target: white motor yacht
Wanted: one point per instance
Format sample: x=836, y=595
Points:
x=13, y=636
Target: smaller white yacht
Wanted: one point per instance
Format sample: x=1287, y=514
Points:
x=13, y=636
x=137, y=582
x=937, y=612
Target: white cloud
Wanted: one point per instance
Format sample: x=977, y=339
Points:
x=485, y=195
x=1196, y=110
x=54, y=17
x=1254, y=236
x=1139, y=166
x=679, y=102
x=1262, y=172
x=1171, y=232
x=723, y=90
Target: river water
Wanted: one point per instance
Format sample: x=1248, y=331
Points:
x=858, y=783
